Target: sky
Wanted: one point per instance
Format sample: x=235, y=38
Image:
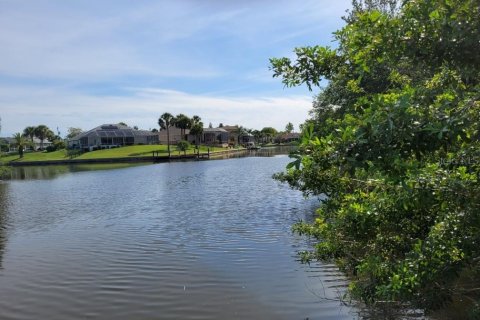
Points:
x=83, y=63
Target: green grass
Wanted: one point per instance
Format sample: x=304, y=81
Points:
x=122, y=152
x=36, y=156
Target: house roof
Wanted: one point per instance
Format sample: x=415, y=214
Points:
x=35, y=140
x=214, y=130
x=7, y=140
x=113, y=130
x=291, y=135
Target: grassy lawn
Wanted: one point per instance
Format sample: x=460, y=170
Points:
x=129, y=151
x=122, y=152
x=36, y=156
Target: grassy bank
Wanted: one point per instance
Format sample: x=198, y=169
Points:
x=122, y=152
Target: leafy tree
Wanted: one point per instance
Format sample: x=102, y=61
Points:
x=29, y=132
x=269, y=133
x=257, y=135
x=183, y=146
x=196, y=119
x=394, y=145
x=166, y=121
x=289, y=127
x=20, y=143
x=42, y=132
x=183, y=122
x=240, y=132
x=196, y=128
x=73, y=132
x=387, y=7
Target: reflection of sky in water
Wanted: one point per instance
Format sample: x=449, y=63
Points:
x=52, y=171
x=4, y=203
x=185, y=240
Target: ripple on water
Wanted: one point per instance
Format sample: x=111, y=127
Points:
x=196, y=240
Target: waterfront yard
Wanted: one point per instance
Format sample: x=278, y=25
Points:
x=121, y=152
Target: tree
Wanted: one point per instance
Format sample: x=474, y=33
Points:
x=196, y=128
x=240, y=132
x=393, y=144
x=289, y=127
x=183, y=122
x=166, y=121
x=197, y=131
x=196, y=119
x=20, y=143
x=42, y=132
x=183, y=146
x=73, y=132
x=269, y=133
x=257, y=135
x=29, y=132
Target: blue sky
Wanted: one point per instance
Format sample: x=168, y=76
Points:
x=82, y=63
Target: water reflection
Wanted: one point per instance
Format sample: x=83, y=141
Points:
x=187, y=240
x=53, y=171
x=3, y=219
x=263, y=152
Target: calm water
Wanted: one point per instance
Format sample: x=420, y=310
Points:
x=186, y=240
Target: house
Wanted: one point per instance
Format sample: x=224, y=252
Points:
x=10, y=144
x=234, y=137
x=110, y=136
x=246, y=139
x=287, y=137
x=175, y=135
x=39, y=145
x=215, y=136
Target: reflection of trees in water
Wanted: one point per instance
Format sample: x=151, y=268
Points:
x=38, y=172
x=3, y=219
x=52, y=171
x=262, y=152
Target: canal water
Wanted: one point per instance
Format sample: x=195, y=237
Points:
x=185, y=240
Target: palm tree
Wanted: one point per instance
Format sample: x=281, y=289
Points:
x=240, y=132
x=257, y=135
x=20, y=143
x=197, y=130
x=196, y=119
x=166, y=121
x=42, y=132
x=183, y=122
x=29, y=132
x=196, y=127
x=289, y=127
x=269, y=132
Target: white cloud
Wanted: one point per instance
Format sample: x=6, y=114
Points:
x=64, y=63
x=108, y=39
x=63, y=109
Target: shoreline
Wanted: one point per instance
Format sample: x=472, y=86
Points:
x=153, y=159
